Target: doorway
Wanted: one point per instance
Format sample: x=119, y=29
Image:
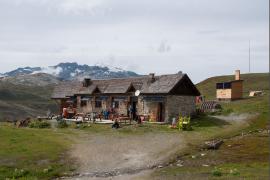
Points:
x=134, y=108
x=160, y=112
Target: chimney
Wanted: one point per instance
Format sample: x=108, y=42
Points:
x=237, y=75
x=152, y=77
x=86, y=82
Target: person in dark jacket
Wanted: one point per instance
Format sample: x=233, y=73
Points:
x=116, y=125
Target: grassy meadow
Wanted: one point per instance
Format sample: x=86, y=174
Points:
x=29, y=153
x=239, y=157
x=20, y=101
x=33, y=153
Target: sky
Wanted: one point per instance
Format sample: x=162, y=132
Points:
x=202, y=38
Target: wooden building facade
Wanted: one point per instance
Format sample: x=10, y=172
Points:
x=231, y=90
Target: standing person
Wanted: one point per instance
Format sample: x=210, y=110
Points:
x=106, y=114
x=174, y=122
x=130, y=109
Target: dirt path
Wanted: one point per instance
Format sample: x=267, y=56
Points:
x=237, y=118
x=110, y=155
x=115, y=156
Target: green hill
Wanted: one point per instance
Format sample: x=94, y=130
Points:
x=258, y=105
x=254, y=81
x=20, y=101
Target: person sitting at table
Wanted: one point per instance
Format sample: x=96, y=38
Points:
x=65, y=113
x=116, y=124
x=71, y=112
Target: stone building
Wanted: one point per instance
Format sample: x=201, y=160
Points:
x=159, y=98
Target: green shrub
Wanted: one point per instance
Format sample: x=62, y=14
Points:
x=184, y=123
x=84, y=125
x=39, y=124
x=227, y=111
x=19, y=173
x=217, y=172
x=234, y=172
x=62, y=124
x=48, y=170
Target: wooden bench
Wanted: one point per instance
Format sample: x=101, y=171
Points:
x=121, y=119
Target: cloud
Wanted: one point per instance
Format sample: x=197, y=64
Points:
x=164, y=47
x=76, y=7
x=209, y=31
x=203, y=38
x=80, y=6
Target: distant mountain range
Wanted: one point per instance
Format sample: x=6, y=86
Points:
x=71, y=71
x=26, y=91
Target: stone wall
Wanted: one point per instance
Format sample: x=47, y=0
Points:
x=179, y=105
x=151, y=108
x=98, y=109
x=146, y=107
x=90, y=106
x=79, y=109
x=140, y=106
x=173, y=106
x=122, y=108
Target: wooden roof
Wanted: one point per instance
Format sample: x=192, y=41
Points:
x=66, y=89
x=164, y=84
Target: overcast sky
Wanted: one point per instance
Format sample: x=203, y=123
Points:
x=200, y=37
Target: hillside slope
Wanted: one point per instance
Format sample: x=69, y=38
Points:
x=245, y=151
x=39, y=79
x=20, y=101
x=254, y=81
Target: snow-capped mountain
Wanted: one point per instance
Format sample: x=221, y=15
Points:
x=69, y=71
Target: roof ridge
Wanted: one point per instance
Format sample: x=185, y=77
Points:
x=137, y=77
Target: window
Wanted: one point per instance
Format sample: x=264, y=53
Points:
x=84, y=100
x=98, y=104
x=115, y=104
x=225, y=85
x=83, y=103
x=219, y=85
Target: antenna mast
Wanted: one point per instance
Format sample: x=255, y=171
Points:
x=249, y=56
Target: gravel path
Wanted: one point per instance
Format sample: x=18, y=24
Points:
x=240, y=118
x=114, y=156
x=101, y=156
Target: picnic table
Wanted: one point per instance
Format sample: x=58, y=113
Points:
x=124, y=118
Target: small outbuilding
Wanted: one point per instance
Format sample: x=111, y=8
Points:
x=231, y=90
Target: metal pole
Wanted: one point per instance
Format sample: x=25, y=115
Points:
x=249, y=56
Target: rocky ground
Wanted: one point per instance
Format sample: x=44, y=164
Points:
x=101, y=156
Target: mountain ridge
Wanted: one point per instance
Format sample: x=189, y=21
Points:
x=73, y=70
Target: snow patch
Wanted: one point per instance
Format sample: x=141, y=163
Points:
x=78, y=71
x=115, y=69
x=111, y=68
x=25, y=69
x=50, y=70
